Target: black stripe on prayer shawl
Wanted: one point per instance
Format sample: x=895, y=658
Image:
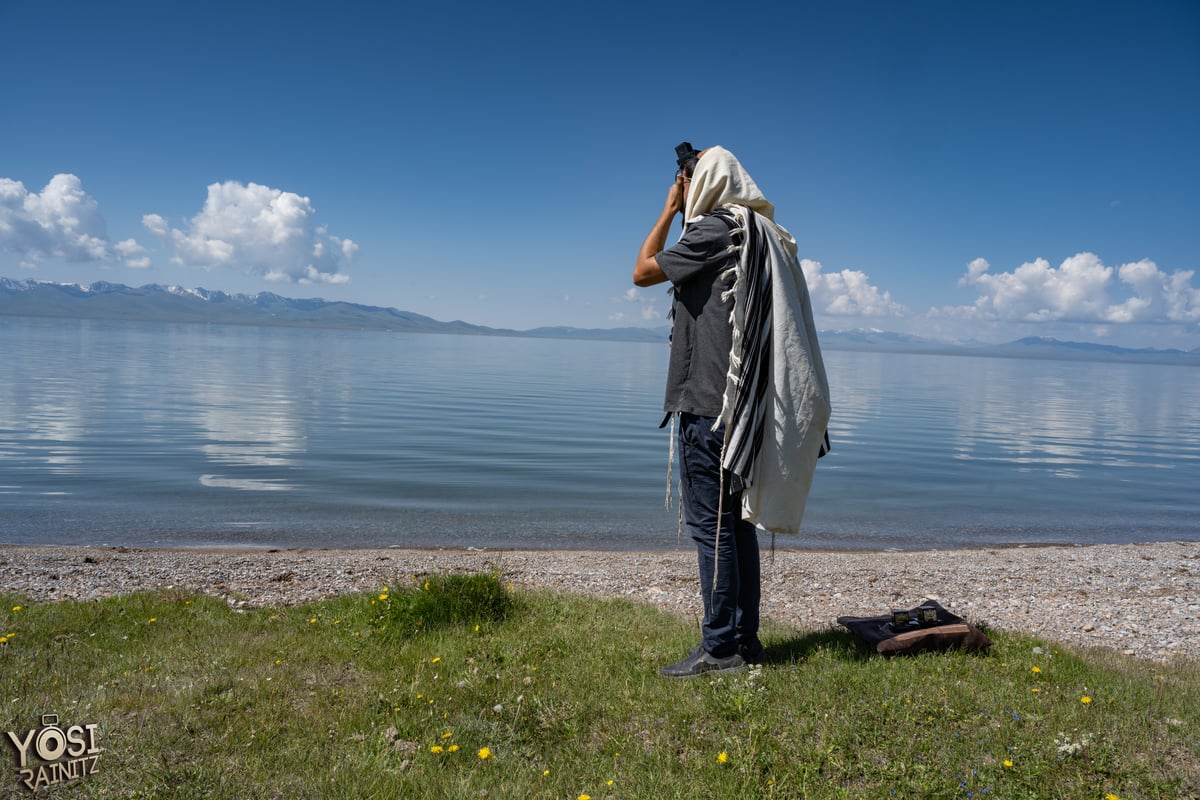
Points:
x=752, y=375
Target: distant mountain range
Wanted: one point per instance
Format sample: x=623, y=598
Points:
x=155, y=303
x=1029, y=347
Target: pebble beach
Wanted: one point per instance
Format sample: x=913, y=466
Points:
x=1142, y=600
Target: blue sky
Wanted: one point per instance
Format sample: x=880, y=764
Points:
x=950, y=169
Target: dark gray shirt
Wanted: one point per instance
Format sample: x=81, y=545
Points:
x=702, y=335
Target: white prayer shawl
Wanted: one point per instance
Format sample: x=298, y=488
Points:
x=720, y=180
x=776, y=406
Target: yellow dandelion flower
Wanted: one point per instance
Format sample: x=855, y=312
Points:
x=1036, y=669
x=610, y=783
x=153, y=619
x=3, y=640
x=585, y=797
x=427, y=586
x=545, y=772
x=722, y=757
x=383, y=595
x=1085, y=699
x=1111, y=796
x=477, y=629
x=485, y=753
x=1007, y=763
x=312, y=621
x=452, y=748
x=447, y=735
x=437, y=748
x=1035, y=690
x=17, y=608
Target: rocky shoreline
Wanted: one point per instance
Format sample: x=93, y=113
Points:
x=1138, y=599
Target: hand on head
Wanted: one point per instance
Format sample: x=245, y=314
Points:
x=677, y=194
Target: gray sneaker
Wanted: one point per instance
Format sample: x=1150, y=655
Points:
x=699, y=662
x=752, y=652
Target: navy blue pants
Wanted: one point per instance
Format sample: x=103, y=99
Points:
x=731, y=607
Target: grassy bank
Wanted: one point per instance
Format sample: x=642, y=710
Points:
x=457, y=688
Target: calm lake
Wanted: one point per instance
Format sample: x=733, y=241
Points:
x=190, y=435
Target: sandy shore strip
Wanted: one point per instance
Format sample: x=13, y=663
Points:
x=1138, y=599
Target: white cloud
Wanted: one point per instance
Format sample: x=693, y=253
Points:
x=61, y=221
x=1081, y=289
x=156, y=224
x=847, y=293
x=133, y=254
x=647, y=309
x=265, y=231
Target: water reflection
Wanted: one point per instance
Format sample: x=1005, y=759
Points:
x=1057, y=417
x=291, y=437
x=44, y=419
x=53, y=432
x=1066, y=418
x=856, y=383
x=248, y=411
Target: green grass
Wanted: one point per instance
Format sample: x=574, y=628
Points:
x=396, y=697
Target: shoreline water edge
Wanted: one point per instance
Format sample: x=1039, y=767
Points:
x=1142, y=600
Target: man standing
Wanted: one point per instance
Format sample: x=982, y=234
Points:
x=744, y=360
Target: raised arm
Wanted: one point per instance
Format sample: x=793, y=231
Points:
x=646, y=271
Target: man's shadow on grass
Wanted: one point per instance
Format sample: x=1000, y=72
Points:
x=838, y=642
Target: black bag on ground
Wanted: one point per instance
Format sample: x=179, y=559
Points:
x=891, y=636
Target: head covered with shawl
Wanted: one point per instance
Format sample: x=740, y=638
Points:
x=719, y=179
